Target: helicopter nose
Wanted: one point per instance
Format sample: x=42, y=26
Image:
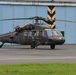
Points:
x=60, y=38
x=57, y=40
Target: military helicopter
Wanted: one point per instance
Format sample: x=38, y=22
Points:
x=33, y=34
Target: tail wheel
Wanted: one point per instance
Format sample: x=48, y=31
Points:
x=52, y=46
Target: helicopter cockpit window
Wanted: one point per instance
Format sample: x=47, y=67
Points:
x=49, y=32
x=55, y=32
x=58, y=31
x=52, y=32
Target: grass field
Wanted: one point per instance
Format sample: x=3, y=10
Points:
x=39, y=69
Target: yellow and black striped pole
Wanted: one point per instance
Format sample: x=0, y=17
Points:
x=51, y=16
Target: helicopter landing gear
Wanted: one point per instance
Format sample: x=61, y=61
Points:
x=32, y=45
x=1, y=45
x=52, y=46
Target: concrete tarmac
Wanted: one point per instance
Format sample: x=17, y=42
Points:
x=16, y=54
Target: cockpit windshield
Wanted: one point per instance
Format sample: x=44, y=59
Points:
x=53, y=32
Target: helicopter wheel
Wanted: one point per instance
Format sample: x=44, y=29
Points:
x=52, y=46
x=32, y=45
x=0, y=46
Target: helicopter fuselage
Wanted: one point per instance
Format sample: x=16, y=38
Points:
x=40, y=37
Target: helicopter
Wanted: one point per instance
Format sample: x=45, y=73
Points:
x=33, y=34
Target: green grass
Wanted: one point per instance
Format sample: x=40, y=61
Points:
x=39, y=69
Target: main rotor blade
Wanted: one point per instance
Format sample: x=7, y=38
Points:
x=15, y=19
x=66, y=21
x=36, y=17
x=24, y=24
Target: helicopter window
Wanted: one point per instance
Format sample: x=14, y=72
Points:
x=55, y=32
x=52, y=32
x=37, y=33
x=49, y=32
x=58, y=31
x=33, y=32
x=25, y=33
x=29, y=34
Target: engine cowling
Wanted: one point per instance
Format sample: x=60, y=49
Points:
x=27, y=27
x=31, y=27
x=18, y=29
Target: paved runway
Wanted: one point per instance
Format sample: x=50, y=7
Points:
x=42, y=54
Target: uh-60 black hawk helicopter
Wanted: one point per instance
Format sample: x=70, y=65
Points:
x=33, y=34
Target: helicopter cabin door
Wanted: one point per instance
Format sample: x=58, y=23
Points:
x=40, y=37
x=43, y=37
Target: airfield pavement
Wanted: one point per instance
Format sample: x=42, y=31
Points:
x=16, y=54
